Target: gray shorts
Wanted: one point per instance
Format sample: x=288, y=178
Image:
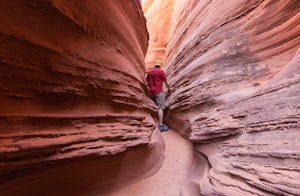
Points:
x=160, y=100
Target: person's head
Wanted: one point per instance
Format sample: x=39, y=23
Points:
x=157, y=63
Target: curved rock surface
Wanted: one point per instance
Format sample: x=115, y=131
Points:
x=158, y=15
x=234, y=69
x=75, y=118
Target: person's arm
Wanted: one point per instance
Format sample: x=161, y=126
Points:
x=168, y=86
x=148, y=84
x=166, y=81
x=147, y=80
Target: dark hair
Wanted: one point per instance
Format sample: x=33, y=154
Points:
x=157, y=66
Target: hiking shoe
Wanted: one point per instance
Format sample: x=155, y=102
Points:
x=163, y=128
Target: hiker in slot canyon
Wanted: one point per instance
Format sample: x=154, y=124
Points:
x=155, y=79
x=76, y=117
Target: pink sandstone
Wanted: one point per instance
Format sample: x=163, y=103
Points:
x=158, y=14
x=75, y=118
x=234, y=68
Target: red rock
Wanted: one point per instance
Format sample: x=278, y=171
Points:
x=158, y=14
x=234, y=70
x=75, y=118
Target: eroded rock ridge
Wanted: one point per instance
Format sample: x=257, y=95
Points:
x=74, y=117
x=234, y=68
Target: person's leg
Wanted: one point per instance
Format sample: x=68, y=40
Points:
x=160, y=101
x=160, y=116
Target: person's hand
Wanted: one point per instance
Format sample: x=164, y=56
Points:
x=169, y=92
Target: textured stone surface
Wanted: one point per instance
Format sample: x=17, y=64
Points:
x=234, y=70
x=158, y=14
x=74, y=116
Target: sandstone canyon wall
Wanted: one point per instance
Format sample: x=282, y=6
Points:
x=235, y=73
x=158, y=15
x=75, y=118
x=74, y=115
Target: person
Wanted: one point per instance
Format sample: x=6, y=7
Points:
x=155, y=78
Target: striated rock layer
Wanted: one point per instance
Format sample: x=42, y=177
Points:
x=234, y=69
x=74, y=116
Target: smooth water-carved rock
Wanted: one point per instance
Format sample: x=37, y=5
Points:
x=234, y=70
x=158, y=14
x=75, y=117
x=263, y=159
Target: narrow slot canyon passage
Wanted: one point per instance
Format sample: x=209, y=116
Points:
x=76, y=117
x=178, y=158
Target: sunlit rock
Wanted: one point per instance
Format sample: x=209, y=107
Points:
x=158, y=14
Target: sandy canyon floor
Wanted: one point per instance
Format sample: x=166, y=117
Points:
x=168, y=180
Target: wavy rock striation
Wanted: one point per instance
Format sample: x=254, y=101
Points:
x=234, y=69
x=74, y=117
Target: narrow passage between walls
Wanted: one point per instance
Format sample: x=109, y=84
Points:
x=168, y=180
